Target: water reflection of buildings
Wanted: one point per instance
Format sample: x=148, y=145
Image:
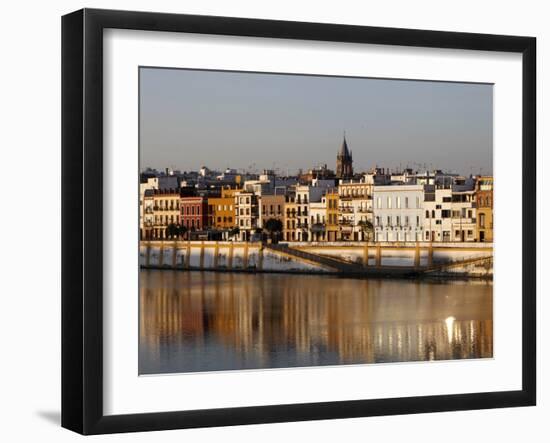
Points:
x=311, y=320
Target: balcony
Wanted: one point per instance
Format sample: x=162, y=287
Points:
x=346, y=209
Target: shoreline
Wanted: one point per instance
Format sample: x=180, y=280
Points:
x=355, y=275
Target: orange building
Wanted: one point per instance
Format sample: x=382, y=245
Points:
x=222, y=210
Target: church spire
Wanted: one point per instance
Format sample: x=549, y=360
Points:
x=344, y=168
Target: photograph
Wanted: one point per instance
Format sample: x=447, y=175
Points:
x=291, y=220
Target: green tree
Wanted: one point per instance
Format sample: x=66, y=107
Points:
x=234, y=231
x=172, y=230
x=182, y=230
x=274, y=227
x=367, y=228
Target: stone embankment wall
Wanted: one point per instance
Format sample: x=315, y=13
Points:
x=443, y=259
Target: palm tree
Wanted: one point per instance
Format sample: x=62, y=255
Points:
x=274, y=227
x=367, y=228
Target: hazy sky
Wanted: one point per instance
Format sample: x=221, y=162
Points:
x=191, y=118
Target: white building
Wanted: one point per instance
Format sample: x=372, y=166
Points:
x=398, y=213
x=463, y=223
x=438, y=214
x=146, y=204
x=317, y=220
x=305, y=195
x=246, y=214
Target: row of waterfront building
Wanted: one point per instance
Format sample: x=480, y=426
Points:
x=320, y=205
x=375, y=206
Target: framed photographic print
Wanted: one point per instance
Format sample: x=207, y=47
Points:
x=268, y=221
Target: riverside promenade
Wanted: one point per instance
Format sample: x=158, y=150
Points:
x=385, y=259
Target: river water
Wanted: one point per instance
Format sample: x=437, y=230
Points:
x=207, y=321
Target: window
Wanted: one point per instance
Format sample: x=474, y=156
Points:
x=379, y=202
x=389, y=202
x=389, y=221
x=417, y=202
x=417, y=220
x=446, y=199
x=406, y=220
x=398, y=221
x=427, y=214
x=481, y=220
x=398, y=202
x=406, y=202
x=445, y=213
x=437, y=206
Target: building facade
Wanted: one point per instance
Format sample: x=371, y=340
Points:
x=484, y=200
x=355, y=212
x=290, y=217
x=271, y=207
x=438, y=213
x=147, y=215
x=331, y=205
x=463, y=223
x=194, y=213
x=222, y=210
x=398, y=213
x=166, y=211
x=246, y=214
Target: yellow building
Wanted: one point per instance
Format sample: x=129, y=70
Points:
x=221, y=210
x=484, y=201
x=332, y=214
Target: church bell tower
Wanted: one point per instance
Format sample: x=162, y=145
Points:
x=344, y=161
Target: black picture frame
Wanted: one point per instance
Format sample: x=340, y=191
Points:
x=82, y=218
